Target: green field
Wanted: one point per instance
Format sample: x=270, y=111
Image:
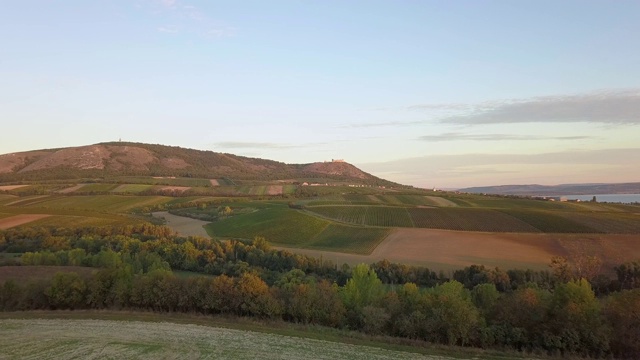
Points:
x=287, y=227
x=74, y=221
x=163, y=181
x=351, y=239
x=97, y=188
x=281, y=226
x=153, y=338
x=106, y=203
x=549, y=222
x=131, y=188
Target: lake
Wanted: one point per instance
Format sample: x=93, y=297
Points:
x=612, y=198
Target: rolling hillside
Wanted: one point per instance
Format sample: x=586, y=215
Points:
x=136, y=159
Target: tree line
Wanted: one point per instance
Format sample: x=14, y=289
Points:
x=555, y=312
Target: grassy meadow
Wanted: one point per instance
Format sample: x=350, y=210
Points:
x=115, y=335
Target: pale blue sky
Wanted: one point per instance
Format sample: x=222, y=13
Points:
x=428, y=93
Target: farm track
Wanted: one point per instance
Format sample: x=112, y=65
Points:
x=18, y=220
x=70, y=189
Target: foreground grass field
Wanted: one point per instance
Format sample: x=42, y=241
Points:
x=111, y=339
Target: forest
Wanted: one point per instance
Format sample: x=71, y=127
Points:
x=571, y=309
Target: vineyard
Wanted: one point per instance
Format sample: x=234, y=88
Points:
x=549, y=222
x=350, y=239
x=468, y=220
x=131, y=188
x=474, y=219
x=106, y=203
x=278, y=225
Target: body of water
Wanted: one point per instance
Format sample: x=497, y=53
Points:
x=612, y=198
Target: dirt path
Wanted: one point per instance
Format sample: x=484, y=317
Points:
x=439, y=201
x=70, y=189
x=183, y=225
x=28, y=199
x=11, y=187
x=20, y=220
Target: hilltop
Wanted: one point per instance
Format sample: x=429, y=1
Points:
x=124, y=158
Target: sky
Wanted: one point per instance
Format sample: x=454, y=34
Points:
x=443, y=94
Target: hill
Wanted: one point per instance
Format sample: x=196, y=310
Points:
x=137, y=159
x=563, y=189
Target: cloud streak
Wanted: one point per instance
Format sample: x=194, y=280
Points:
x=454, y=136
x=607, y=107
x=464, y=170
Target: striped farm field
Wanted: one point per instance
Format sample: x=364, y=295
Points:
x=131, y=188
x=106, y=203
x=159, y=180
x=550, y=222
x=608, y=223
x=468, y=220
x=388, y=216
x=71, y=221
x=7, y=198
x=292, y=228
x=348, y=239
x=97, y=188
x=348, y=214
x=279, y=225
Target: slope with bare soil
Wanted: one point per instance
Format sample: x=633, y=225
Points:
x=444, y=249
x=22, y=219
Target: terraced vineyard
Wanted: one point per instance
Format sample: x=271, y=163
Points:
x=348, y=214
x=468, y=220
x=608, y=223
x=351, y=239
x=108, y=203
x=287, y=227
x=388, y=216
x=131, y=188
x=279, y=225
x=97, y=188
x=549, y=222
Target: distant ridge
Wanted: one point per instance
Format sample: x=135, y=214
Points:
x=138, y=159
x=555, y=190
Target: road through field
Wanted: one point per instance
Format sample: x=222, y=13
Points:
x=22, y=219
x=183, y=225
x=111, y=339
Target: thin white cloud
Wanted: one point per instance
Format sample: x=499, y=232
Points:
x=607, y=107
x=379, y=124
x=168, y=29
x=604, y=165
x=455, y=136
x=221, y=31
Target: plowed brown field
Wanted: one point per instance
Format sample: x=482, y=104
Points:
x=446, y=250
x=20, y=220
